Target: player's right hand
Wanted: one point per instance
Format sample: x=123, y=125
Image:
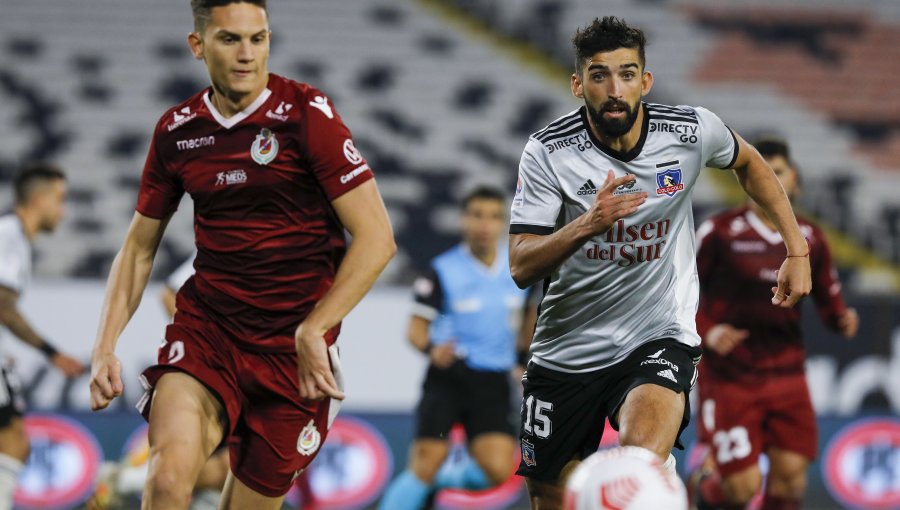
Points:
x=106, y=380
x=609, y=208
x=723, y=338
x=315, y=377
x=443, y=355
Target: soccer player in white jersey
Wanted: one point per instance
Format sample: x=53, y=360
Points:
x=602, y=215
x=40, y=194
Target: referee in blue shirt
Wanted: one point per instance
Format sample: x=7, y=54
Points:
x=467, y=319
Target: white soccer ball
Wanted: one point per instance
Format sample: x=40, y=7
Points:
x=624, y=478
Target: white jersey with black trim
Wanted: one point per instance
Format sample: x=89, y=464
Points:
x=638, y=281
x=15, y=254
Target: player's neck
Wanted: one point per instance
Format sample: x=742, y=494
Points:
x=29, y=222
x=625, y=142
x=229, y=104
x=486, y=255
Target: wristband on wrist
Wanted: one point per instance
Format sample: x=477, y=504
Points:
x=48, y=350
x=427, y=349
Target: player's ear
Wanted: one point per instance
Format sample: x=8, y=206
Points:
x=646, y=83
x=195, y=41
x=577, y=86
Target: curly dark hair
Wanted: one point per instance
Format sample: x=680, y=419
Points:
x=607, y=34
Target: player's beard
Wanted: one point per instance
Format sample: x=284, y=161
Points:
x=613, y=128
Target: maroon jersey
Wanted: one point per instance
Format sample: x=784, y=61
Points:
x=268, y=241
x=737, y=260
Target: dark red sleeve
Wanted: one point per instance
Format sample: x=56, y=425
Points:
x=160, y=190
x=826, y=289
x=706, y=261
x=334, y=159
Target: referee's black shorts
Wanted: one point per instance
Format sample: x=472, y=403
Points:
x=479, y=400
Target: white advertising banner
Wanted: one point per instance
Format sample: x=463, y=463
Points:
x=383, y=373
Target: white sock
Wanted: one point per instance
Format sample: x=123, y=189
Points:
x=10, y=467
x=132, y=479
x=669, y=465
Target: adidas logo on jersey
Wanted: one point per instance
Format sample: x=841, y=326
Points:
x=667, y=374
x=587, y=188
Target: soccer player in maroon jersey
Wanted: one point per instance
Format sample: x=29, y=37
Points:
x=250, y=359
x=753, y=393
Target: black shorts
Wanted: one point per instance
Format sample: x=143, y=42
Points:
x=563, y=414
x=479, y=400
x=12, y=404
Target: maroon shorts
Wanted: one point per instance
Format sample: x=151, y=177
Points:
x=739, y=420
x=272, y=433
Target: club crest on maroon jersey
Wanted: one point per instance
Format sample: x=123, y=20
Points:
x=309, y=439
x=265, y=147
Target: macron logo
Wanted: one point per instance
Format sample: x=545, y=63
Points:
x=321, y=104
x=195, y=143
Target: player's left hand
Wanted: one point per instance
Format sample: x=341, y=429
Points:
x=794, y=282
x=313, y=366
x=68, y=365
x=848, y=323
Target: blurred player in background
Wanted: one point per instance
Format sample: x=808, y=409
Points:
x=602, y=214
x=250, y=359
x=753, y=393
x=40, y=195
x=466, y=319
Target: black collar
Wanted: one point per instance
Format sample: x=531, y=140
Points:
x=621, y=156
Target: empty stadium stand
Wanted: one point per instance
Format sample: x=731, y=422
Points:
x=437, y=110
x=434, y=112
x=822, y=75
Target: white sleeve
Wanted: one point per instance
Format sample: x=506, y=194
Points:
x=538, y=197
x=11, y=273
x=181, y=275
x=719, y=145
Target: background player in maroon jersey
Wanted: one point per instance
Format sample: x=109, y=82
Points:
x=250, y=358
x=753, y=393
